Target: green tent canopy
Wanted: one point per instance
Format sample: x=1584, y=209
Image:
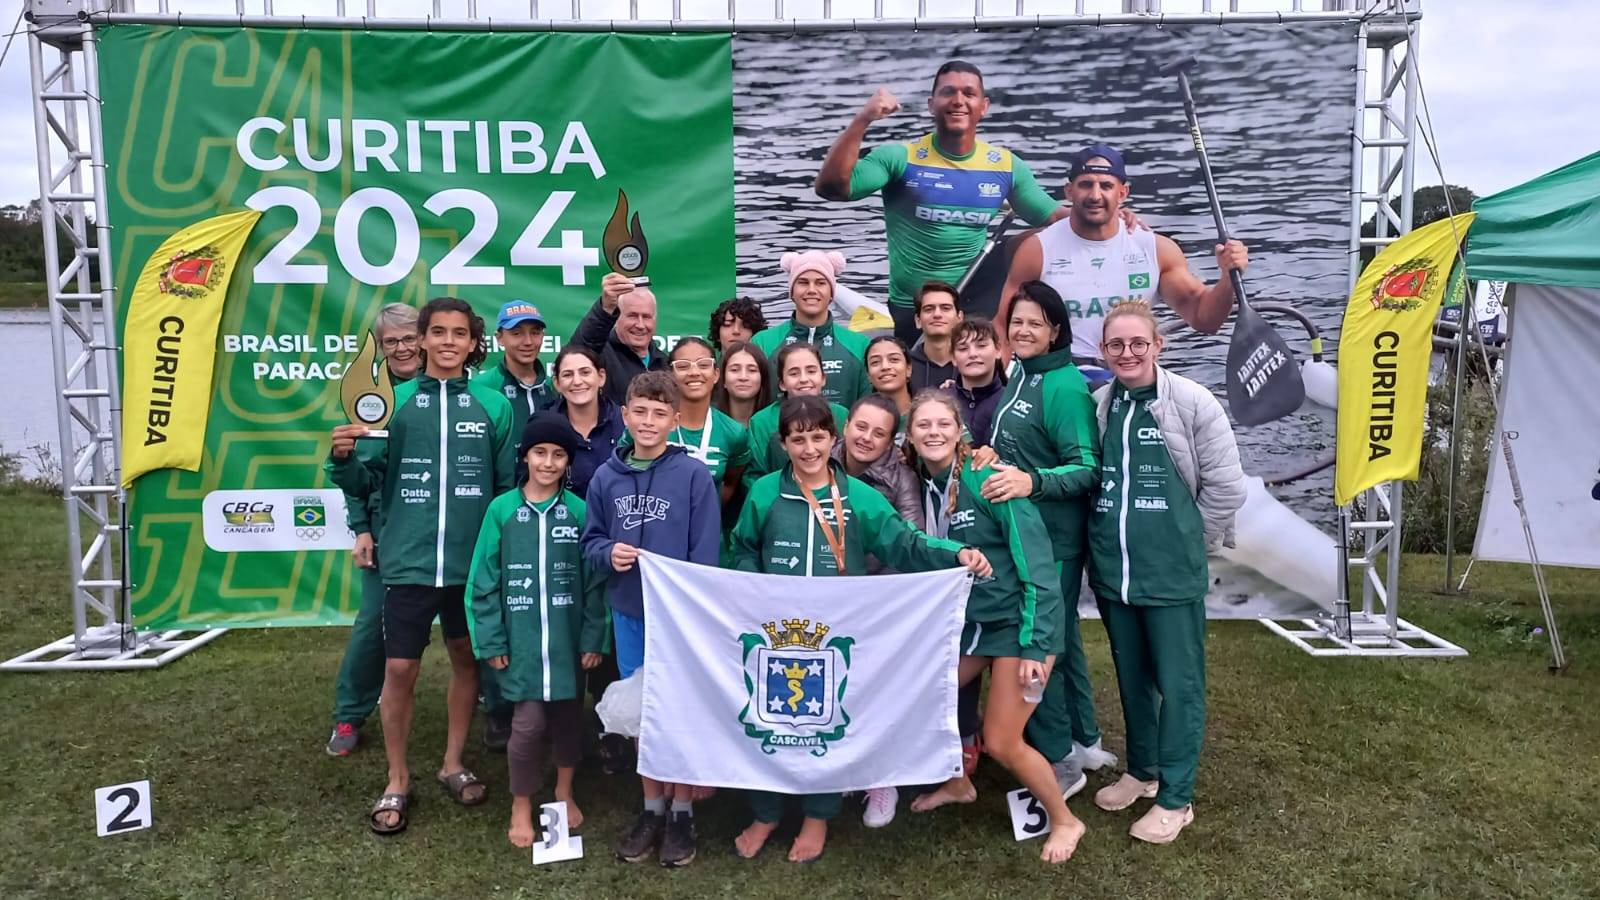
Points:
x=1545, y=231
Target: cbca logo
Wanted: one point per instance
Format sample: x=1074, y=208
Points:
x=247, y=517
x=795, y=685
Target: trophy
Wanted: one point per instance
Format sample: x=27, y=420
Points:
x=366, y=390
x=625, y=245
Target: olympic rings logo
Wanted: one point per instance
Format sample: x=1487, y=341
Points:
x=310, y=534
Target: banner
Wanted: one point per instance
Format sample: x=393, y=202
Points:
x=1384, y=347
x=169, y=340
x=1552, y=413
x=397, y=166
x=799, y=685
x=385, y=167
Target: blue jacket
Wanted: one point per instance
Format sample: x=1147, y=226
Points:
x=594, y=450
x=671, y=508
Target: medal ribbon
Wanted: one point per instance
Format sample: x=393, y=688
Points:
x=835, y=539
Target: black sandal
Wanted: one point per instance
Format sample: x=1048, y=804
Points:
x=456, y=784
x=395, y=803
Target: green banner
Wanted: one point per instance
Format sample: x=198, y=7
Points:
x=389, y=167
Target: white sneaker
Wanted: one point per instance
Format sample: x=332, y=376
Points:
x=881, y=803
x=1095, y=757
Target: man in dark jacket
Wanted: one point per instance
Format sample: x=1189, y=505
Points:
x=621, y=327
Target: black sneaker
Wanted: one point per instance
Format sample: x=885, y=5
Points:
x=642, y=838
x=678, y=844
x=496, y=732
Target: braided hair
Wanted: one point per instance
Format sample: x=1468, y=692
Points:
x=963, y=449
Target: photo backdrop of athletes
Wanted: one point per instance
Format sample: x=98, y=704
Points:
x=388, y=167
x=1278, y=107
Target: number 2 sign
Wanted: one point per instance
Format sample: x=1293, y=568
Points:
x=122, y=807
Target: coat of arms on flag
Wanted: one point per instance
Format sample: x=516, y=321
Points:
x=796, y=686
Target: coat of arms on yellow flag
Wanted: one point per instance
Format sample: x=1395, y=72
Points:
x=1384, y=347
x=169, y=343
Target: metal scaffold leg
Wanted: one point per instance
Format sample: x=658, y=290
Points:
x=82, y=309
x=1383, y=156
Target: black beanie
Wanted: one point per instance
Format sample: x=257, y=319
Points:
x=548, y=428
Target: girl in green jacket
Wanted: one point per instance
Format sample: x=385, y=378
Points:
x=842, y=520
x=1011, y=617
x=537, y=615
x=800, y=374
x=1170, y=483
x=1044, y=434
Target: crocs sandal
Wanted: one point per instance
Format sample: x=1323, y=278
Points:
x=395, y=803
x=457, y=783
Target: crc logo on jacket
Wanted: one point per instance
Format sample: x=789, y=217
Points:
x=637, y=509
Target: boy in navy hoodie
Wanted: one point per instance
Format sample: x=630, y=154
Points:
x=656, y=497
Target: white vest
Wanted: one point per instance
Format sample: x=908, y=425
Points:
x=1093, y=276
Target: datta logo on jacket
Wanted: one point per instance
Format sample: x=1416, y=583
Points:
x=636, y=509
x=795, y=685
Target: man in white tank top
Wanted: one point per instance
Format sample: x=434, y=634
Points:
x=1093, y=261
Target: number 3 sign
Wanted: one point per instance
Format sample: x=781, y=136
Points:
x=558, y=845
x=122, y=807
x=1028, y=818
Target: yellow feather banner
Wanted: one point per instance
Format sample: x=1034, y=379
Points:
x=169, y=344
x=1384, y=348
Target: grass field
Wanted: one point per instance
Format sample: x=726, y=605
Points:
x=1321, y=778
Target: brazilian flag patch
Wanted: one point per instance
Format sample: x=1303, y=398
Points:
x=1139, y=281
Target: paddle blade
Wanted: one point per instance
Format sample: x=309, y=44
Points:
x=1263, y=381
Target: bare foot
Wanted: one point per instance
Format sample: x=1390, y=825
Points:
x=808, y=843
x=956, y=790
x=1063, y=841
x=752, y=839
x=521, y=830
x=574, y=814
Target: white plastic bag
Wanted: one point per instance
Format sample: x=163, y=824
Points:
x=622, y=705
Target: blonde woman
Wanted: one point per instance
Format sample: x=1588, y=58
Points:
x=1170, y=485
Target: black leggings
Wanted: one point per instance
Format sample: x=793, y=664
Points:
x=562, y=720
x=967, y=720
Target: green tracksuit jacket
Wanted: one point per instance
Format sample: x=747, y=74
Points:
x=1147, y=540
x=533, y=598
x=1045, y=425
x=449, y=452
x=777, y=533
x=843, y=355
x=1023, y=590
x=766, y=449
x=525, y=399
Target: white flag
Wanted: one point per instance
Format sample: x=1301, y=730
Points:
x=799, y=685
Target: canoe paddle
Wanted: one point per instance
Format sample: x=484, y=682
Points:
x=1263, y=379
x=972, y=288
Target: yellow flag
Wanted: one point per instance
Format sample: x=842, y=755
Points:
x=169, y=344
x=1384, y=348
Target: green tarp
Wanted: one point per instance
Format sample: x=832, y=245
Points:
x=1545, y=231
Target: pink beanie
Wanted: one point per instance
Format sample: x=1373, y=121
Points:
x=828, y=262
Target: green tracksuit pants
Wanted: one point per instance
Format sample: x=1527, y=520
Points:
x=768, y=806
x=355, y=694
x=1160, y=657
x=1066, y=713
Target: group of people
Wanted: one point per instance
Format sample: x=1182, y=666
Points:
x=511, y=502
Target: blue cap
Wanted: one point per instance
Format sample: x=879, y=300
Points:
x=518, y=311
x=1112, y=165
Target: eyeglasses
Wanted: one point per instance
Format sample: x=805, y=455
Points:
x=694, y=365
x=1137, y=346
x=405, y=340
